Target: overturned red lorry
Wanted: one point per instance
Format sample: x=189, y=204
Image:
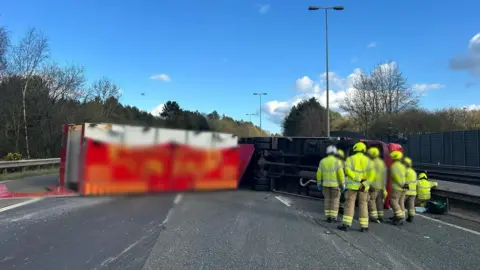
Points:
x=105, y=159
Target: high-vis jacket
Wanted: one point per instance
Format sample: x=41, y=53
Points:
x=357, y=168
x=330, y=172
x=380, y=174
x=398, y=173
x=423, y=189
x=411, y=180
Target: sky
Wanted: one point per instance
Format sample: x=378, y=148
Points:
x=214, y=54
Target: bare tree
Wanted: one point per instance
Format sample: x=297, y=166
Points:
x=66, y=82
x=382, y=92
x=4, y=44
x=26, y=60
x=104, y=90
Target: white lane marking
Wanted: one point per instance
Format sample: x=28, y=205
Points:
x=13, y=206
x=451, y=225
x=177, y=199
x=283, y=200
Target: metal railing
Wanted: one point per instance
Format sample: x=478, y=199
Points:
x=28, y=163
x=457, y=174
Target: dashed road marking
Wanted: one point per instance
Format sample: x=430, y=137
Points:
x=13, y=206
x=283, y=200
x=451, y=225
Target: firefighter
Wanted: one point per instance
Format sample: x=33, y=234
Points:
x=341, y=157
x=330, y=180
x=397, y=195
x=360, y=172
x=376, y=191
x=423, y=188
x=411, y=181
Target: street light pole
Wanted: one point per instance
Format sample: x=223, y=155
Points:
x=260, y=113
x=326, y=58
x=249, y=128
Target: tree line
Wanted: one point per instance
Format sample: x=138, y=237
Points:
x=380, y=104
x=39, y=95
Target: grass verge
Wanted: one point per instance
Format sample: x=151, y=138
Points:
x=20, y=175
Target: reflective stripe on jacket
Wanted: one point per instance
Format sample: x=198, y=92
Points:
x=358, y=167
x=398, y=172
x=423, y=189
x=330, y=172
x=380, y=174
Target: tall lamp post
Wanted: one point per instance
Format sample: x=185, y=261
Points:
x=326, y=56
x=260, y=113
x=249, y=129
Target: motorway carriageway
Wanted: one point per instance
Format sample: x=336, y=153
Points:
x=219, y=230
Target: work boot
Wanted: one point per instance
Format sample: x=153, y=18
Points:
x=374, y=220
x=329, y=220
x=410, y=219
x=380, y=220
x=398, y=221
x=392, y=218
x=364, y=229
x=343, y=227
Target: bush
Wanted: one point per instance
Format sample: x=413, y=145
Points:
x=13, y=156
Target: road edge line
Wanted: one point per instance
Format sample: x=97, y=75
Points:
x=13, y=206
x=451, y=225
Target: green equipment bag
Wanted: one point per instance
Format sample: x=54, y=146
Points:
x=438, y=207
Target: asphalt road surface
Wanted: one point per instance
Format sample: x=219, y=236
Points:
x=222, y=230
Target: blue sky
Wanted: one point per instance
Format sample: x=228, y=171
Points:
x=218, y=52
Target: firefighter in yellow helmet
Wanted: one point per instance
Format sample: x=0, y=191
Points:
x=423, y=188
x=330, y=180
x=341, y=155
x=377, y=188
x=360, y=173
x=411, y=181
x=397, y=195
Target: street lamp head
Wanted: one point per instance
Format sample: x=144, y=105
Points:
x=338, y=8
x=313, y=8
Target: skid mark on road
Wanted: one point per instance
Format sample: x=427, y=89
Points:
x=148, y=234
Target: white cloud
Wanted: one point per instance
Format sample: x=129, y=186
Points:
x=340, y=87
x=471, y=61
x=161, y=77
x=472, y=107
x=427, y=86
x=372, y=44
x=157, y=110
x=308, y=88
x=262, y=9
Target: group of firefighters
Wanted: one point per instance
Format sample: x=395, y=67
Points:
x=363, y=176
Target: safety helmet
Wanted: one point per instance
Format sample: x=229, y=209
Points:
x=407, y=161
x=373, y=152
x=331, y=150
x=359, y=147
x=422, y=176
x=340, y=153
x=396, y=155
